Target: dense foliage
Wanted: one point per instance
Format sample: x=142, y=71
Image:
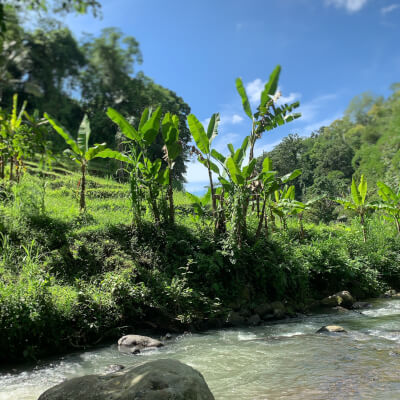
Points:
x=366, y=141
x=54, y=73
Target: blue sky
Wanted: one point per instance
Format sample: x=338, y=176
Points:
x=330, y=51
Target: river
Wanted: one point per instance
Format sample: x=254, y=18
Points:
x=285, y=360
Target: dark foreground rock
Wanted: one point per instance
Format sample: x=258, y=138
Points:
x=164, y=379
x=136, y=343
x=331, y=329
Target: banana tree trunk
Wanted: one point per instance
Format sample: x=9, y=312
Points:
x=364, y=229
x=261, y=220
x=171, y=199
x=11, y=168
x=2, y=162
x=214, y=202
x=83, y=187
x=301, y=226
x=397, y=225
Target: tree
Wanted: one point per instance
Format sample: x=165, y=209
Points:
x=56, y=6
x=79, y=150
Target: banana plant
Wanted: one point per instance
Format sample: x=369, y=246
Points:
x=40, y=130
x=204, y=141
x=390, y=202
x=172, y=149
x=274, y=193
x=236, y=183
x=265, y=185
x=79, y=150
x=146, y=176
x=269, y=114
x=298, y=208
x=200, y=204
x=358, y=202
x=11, y=143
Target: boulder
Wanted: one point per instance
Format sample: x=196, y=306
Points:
x=156, y=380
x=235, y=319
x=331, y=329
x=389, y=293
x=359, y=305
x=263, y=309
x=278, y=310
x=254, y=320
x=136, y=343
x=343, y=298
x=340, y=309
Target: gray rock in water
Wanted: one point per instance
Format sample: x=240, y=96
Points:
x=332, y=329
x=359, y=305
x=235, y=319
x=389, y=293
x=156, y=380
x=340, y=309
x=343, y=298
x=135, y=343
x=254, y=320
x=279, y=310
x=263, y=309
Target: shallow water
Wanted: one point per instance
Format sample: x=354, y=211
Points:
x=276, y=361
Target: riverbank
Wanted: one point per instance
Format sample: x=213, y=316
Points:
x=286, y=359
x=71, y=280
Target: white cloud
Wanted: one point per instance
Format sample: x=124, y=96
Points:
x=289, y=99
x=351, y=6
x=254, y=89
x=389, y=9
x=225, y=119
x=236, y=119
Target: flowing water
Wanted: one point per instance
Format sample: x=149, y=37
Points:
x=286, y=360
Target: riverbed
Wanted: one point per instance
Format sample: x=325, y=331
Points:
x=284, y=360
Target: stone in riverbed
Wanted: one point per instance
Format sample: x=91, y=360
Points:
x=340, y=309
x=235, y=319
x=263, y=309
x=332, y=329
x=135, y=343
x=278, y=309
x=359, y=305
x=254, y=320
x=343, y=298
x=163, y=379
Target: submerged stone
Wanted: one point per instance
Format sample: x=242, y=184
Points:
x=136, y=343
x=332, y=329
